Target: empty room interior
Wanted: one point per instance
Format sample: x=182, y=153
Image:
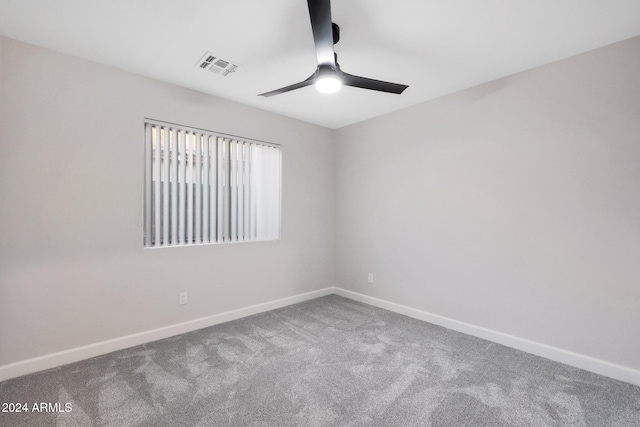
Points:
x=194, y=233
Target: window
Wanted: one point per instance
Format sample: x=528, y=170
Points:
x=204, y=188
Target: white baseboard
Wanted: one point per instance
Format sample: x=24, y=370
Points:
x=65, y=357
x=577, y=360
x=581, y=361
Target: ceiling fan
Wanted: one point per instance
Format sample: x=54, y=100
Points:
x=328, y=77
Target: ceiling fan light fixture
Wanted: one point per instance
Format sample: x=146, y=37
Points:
x=328, y=84
x=328, y=77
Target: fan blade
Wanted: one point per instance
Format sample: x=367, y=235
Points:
x=365, y=83
x=320, y=14
x=309, y=81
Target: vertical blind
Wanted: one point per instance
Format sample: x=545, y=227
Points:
x=206, y=188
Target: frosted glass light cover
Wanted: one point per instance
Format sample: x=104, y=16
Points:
x=329, y=84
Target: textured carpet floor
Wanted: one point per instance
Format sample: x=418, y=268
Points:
x=326, y=362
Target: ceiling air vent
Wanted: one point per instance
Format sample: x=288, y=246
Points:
x=216, y=64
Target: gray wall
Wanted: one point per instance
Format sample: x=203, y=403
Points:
x=72, y=268
x=513, y=206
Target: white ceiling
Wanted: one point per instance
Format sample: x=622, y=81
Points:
x=436, y=47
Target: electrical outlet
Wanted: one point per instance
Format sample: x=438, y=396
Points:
x=183, y=298
x=370, y=278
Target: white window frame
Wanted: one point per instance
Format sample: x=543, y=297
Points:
x=235, y=191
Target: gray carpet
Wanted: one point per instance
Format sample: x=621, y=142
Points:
x=326, y=362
